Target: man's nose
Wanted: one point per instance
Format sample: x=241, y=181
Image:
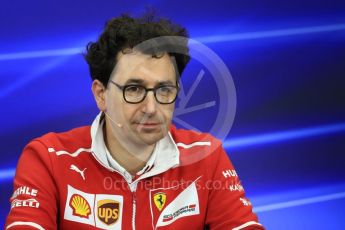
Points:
x=150, y=103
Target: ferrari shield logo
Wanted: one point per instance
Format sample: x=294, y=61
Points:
x=159, y=199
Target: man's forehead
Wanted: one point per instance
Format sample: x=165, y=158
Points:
x=136, y=67
x=135, y=56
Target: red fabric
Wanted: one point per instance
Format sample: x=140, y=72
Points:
x=221, y=200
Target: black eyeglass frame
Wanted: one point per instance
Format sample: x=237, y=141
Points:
x=154, y=90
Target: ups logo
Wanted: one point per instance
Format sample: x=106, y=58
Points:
x=108, y=211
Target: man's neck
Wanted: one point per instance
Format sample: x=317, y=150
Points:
x=134, y=159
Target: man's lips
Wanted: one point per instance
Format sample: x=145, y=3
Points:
x=147, y=123
x=143, y=123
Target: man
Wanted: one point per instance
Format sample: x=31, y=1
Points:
x=131, y=169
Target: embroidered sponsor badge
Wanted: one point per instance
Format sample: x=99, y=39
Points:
x=171, y=204
x=159, y=199
x=108, y=211
x=80, y=206
x=98, y=210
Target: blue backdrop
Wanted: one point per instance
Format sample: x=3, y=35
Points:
x=287, y=61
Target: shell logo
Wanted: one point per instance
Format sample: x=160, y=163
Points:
x=80, y=206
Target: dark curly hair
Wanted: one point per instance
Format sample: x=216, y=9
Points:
x=125, y=32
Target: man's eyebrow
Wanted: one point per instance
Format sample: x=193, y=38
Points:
x=168, y=82
x=134, y=81
x=142, y=82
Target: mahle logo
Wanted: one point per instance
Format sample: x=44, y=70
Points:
x=159, y=199
x=108, y=211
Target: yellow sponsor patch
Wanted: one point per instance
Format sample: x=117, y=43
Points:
x=80, y=206
x=159, y=200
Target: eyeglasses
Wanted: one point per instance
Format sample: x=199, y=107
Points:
x=134, y=94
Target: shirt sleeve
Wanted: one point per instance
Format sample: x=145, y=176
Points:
x=34, y=199
x=228, y=208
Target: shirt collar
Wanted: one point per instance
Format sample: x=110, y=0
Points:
x=165, y=154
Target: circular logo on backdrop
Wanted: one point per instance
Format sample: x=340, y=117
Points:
x=215, y=104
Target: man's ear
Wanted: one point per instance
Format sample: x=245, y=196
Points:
x=98, y=91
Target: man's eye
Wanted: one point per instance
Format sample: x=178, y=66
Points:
x=166, y=90
x=134, y=89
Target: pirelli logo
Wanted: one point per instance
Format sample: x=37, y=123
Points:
x=108, y=211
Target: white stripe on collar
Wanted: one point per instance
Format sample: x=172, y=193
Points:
x=165, y=155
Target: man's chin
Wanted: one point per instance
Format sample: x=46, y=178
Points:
x=150, y=135
x=150, y=138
